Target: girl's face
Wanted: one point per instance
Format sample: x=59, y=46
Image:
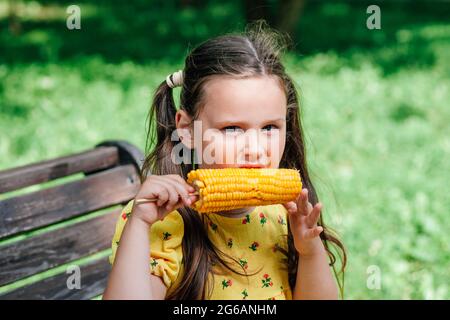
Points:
x=243, y=123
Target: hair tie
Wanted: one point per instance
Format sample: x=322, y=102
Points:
x=175, y=79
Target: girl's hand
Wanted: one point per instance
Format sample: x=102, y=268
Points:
x=172, y=193
x=303, y=224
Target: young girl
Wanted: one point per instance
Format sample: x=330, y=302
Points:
x=236, y=87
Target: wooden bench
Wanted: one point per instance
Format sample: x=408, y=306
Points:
x=46, y=234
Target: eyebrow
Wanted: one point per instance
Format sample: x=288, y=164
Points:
x=227, y=122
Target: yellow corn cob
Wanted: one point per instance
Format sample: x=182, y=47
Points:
x=232, y=188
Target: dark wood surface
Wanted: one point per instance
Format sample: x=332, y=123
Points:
x=51, y=249
x=93, y=283
x=95, y=159
x=111, y=172
x=128, y=153
x=45, y=207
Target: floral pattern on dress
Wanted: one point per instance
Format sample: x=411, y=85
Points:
x=261, y=237
x=213, y=226
x=227, y=283
x=254, y=245
x=243, y=263
x=154, y=263
x=126, y=215
x=262, y=219
x=266, y=281
x=246, y=219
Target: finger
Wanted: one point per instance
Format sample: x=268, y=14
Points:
x=179, y=179
x=173, y=194
x=178, y=205
x=291, y=207
x=193, y=199
x=180, y=188
x=179, y=184
x=302, y=202
x=287, y=205
x=190, y=189
x=309, y=208
x=313, y=217
x=161, y=193
x=314, y=232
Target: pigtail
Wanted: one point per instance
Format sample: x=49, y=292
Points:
x=161, y=124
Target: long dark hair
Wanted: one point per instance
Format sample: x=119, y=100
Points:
x=257, y=51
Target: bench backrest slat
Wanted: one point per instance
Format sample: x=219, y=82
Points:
x=44, y=171
x=51, y=249
x=93, y=282
x=44, y=207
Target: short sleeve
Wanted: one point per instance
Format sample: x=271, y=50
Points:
x=165, y=244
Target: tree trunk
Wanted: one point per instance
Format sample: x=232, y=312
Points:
x=13, y=19
x=257, y=9
x=289, y=13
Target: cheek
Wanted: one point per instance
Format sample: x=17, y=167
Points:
x=276, y=143
x=215, y=150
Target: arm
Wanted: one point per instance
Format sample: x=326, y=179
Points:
x=130, y=276
x=314, y=278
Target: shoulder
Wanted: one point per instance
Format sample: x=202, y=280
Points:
x=171, y=226
x=166, y=234
x=173, y=220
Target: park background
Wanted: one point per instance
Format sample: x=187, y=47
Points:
x=375, y=106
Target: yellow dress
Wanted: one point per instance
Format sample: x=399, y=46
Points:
x=254, y=241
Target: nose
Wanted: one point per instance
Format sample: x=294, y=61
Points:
x=254, y=149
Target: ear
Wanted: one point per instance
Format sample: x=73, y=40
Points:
x=184, y=129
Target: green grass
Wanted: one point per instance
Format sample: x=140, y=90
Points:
x=381, y=147
x=375, y=112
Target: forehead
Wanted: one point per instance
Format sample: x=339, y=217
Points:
x=252, y=99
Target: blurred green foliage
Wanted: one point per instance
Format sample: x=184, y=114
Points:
x=375, y=106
